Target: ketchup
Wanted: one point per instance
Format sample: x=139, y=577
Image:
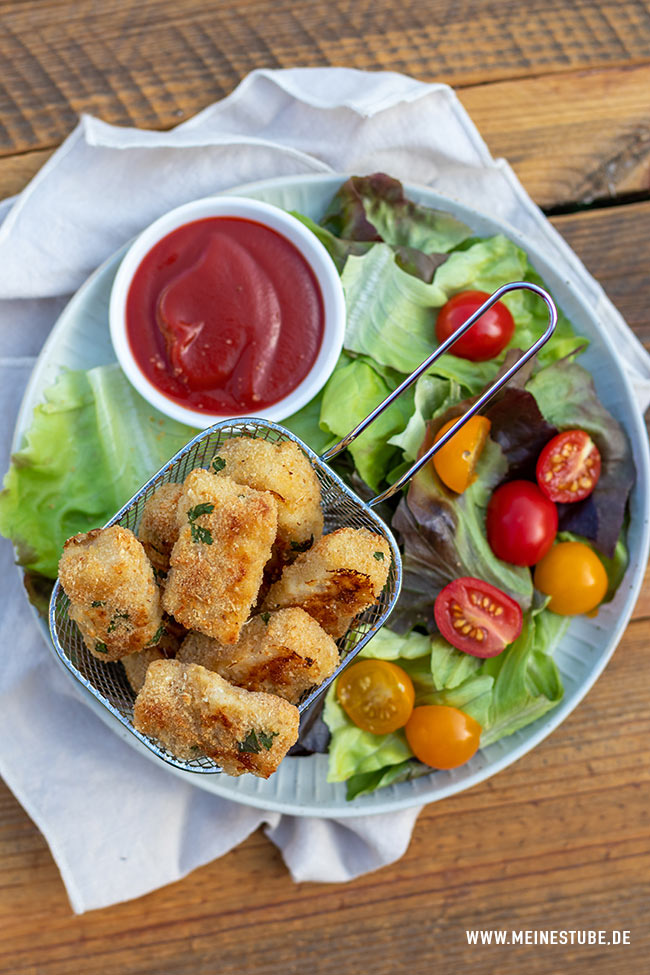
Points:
x=224, y=316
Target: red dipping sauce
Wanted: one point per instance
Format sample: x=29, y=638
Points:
x=224, y=315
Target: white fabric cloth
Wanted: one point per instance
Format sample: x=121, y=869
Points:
x=117, y=824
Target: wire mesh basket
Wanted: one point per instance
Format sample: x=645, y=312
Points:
x=342, y=508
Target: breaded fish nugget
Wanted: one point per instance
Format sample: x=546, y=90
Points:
x=113, y=596
x=341, y=575
x=193, y=711
x=284, y=652
x=285, y=471
x=226, y=531
x=158, y=528
x=166, y=648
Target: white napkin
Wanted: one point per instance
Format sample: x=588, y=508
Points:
x=117, y=824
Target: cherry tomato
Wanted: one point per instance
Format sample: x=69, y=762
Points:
x=486, y=338
x=377, y=695
x=521, y=523
x=568, y=467
x=476, y=617
x=573, y=576
x=455, y=463
x=441, y=736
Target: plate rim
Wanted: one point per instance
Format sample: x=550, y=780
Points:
x=338, y=809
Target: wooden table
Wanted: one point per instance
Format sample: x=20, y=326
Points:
x=561, y=840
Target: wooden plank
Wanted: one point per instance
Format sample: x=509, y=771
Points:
x=156, y=63
x=571, y=138
x=559, y=841
x=615, y=246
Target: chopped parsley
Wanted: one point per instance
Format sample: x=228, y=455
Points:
x=101, y=648
x=200, y=509
x=303, y=546
x=120, y=617
x=158, y=635
x=254, y=741
x=265, y=617
x=218, y=463
x=98, y=602
x=200, y=534
x=379, y=556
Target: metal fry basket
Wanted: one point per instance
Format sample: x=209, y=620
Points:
x=342, y=508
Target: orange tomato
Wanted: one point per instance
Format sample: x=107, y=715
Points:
x=573, y=576
x=455, y=463
x=376, y=695
x=441, y=736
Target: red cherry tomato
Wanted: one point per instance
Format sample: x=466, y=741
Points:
x=476, y=617
x=568, y=467
x=521, y=523
x=486, y=338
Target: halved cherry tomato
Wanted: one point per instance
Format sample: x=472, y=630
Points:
x=476, y=617
x=377, y=695
x=568, y=467
x=521, y=523
x=486, y=338
x=573, y=576
x=455, y=463
x=441, y=736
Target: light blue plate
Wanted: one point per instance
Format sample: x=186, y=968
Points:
x=80, y=340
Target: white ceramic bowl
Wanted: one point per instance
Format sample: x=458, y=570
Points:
x=282, y=223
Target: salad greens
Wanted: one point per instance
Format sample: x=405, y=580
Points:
x=399, y=263
x=81, y=462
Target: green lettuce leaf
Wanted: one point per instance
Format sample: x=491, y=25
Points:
x=351, y=393
x=527, y=682
x=365, y=782
x=372, y=208
x=92, y=443
x=353, y=751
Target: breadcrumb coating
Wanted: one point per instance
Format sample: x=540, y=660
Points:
x=158, y=528
x=113, y=596
x=285, y=652
x=341, y=575
x=282, y=469
x=193, y=711
x=226, y=531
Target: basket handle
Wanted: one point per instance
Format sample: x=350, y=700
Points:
x=483, y=399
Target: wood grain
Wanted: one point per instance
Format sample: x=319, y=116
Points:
x=614, y=244
x=154, y=63
x=559, y=840
x=571, y=138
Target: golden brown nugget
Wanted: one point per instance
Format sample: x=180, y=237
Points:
x=113, y=596
x=284, y=653
x=226, y=531
x=158, y=528
x=285, y=471
x=340, y=576
x=193, y=711
x=165, y=648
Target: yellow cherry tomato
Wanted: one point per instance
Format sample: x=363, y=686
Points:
x=573, y=576
x=455, y=463
x=377, y=695
x=441, y=736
